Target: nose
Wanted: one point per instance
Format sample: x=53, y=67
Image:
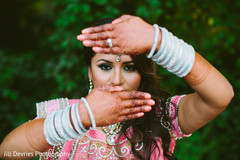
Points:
x=117, y=78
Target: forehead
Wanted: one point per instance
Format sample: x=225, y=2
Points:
x=111, y=57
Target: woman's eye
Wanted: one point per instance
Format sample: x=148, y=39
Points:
x=105, y=67
x=130, y=68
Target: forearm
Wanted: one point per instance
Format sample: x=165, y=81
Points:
x=25, y=142
x=209, y=84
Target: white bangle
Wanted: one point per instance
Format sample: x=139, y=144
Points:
x=155, y=41
x=89, y=112
x=67, y=124
x=53, y=130
x=79, y=119
x=75, y=120
x=159, y=55
x=59, y=126
x=47, y=131
x=174, y=54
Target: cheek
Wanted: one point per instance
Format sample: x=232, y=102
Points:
x=98, y=78
x=134, y=81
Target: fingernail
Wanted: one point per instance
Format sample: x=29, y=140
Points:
x=140, y=114
x=148, y=108
x=80, y=37
x=86, y=43
x=148, y=95
x=85, y=31
x=96, y=49
x=151, y=102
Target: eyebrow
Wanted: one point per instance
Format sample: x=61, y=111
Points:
x=112, y=62
x=104, y=60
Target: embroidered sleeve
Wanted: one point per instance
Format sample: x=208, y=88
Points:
x=173, y=112
x=46, y=107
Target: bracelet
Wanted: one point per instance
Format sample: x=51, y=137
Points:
x=155, y=41
x=67, y=123
x=89, y=112
x=75, y=120
x=79, y=119
x=58, y=127
x=53, y=130
x=174, y=54
x=49, y=137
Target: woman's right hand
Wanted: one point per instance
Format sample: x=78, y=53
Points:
x=110, y=104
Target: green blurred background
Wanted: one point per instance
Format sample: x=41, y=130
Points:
x=40, y=58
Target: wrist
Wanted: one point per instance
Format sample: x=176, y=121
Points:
x=150, y=38
x=199, y=72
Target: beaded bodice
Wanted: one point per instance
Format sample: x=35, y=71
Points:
x=94, y=146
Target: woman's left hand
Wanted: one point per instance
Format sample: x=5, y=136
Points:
x=130, y=35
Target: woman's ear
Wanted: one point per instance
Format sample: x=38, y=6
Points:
x=89, y=73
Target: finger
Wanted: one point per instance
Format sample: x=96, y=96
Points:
x=98, y=43
x=134, y=95
x=132, y=116
x=88, y=43
x=108, y=50
x=94, y=36
x=101, y=28
x=135, y=110
x=137, y=102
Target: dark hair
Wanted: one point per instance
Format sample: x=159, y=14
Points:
x=148, y=127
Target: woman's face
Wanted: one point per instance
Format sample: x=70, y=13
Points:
x=106, y=70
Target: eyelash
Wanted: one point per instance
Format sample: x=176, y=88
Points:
x=105, y=67
x=128, y=68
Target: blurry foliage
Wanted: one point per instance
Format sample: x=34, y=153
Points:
x=41, y=59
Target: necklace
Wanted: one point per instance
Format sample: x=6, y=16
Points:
x=114, y=129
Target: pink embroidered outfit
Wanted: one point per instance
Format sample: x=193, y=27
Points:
x=94, y=144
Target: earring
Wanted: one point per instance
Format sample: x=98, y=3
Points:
x=90, y=85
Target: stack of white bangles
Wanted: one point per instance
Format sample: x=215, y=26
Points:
x=174, y=54
x=58, y=127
